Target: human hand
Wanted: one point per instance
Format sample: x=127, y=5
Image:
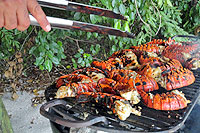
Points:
x=15, y=14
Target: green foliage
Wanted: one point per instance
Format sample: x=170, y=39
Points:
x=47, y=50
x=146, y=19
x=85, y=59
x=9, y=43
x=191, y=17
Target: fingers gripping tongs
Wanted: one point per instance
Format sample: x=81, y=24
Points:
x=69, y=24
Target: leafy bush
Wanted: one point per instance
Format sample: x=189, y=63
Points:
x=47, y=50
x=146, y=19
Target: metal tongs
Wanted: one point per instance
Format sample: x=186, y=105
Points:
x=60, y=23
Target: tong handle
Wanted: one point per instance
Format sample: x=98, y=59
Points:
x=65, y=122
x=186, y=36
x=55, y=22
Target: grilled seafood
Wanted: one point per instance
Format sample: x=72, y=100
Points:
x=140, y=82
x=114, y=84
x=94, y=73
x=151, y=58
x=155, y=46
x=171, y=78
x=177, y=78
x=117, y=104
x=182, y=52
x=107, y=66
x=127, y=57
x=158, y=68
x=193, y=63
x=173, y=100
x=118, y=88
x=72, y=84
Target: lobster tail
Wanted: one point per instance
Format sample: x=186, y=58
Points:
x=174, y=100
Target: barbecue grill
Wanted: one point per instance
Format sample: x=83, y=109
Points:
x=68, y=113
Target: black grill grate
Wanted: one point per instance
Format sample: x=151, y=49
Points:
x=150, y=120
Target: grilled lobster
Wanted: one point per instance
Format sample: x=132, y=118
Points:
x=126, y=91
x=107, y=66
x=94, y=73
x=173, y=100
x=169, y=78
x=151, y=58
x=184, y=53
x=127, y=57
x=73, y=84
x=140, y=82
x=117, y=104
x=155, y=46
x=159, y=67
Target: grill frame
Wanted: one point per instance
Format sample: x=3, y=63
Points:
x=151, y=120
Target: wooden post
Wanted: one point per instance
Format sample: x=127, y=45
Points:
x=5, y=125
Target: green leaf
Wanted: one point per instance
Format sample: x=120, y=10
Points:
x=160, y=2
x=114, y=48
x=131, y=7
x=77, y=16
x=87, y=63
x=94, y=52
x=104, y=2
x=46, y=46
x=114, y=3
x=73, y=60
x=39, y=61
x=126, y=27
x=85, y=55
x=116, y=10
x=48, y=65
x=82, y=63
x=62, y=55
x=41, y=67
x=97, y=47
x=81, y=51
x=91, y=47
x=120, y=44
x=89, y=35
x=169, y=3
x=95, y=35
x=32, y=50
x=41, y=48
x=77, y=55
x=93, y=18
x=80, y=60
x=50, y=54
x=59, y=43
x=132, y=16
x=122, y=9
x=55, y=60
x=117, y=25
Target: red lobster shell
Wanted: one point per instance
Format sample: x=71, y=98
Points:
x=127, y=57
x=182, y=52
x=174, y=100
x=72, y=84
x=140, y=82
x=155, y=46
x=107, y=66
